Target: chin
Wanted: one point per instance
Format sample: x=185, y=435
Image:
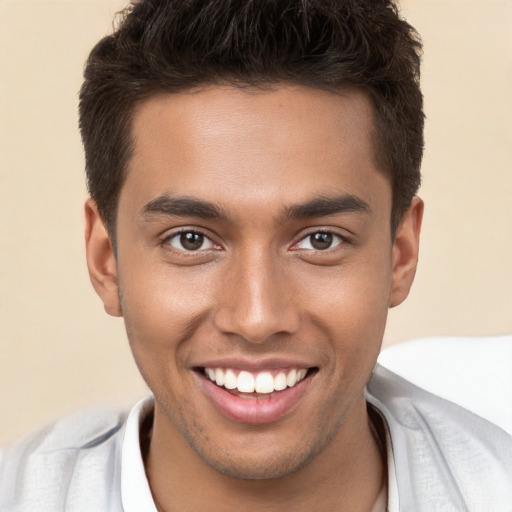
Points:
x=275, y=467
x=258, y=462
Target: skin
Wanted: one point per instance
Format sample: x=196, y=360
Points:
x=257, y=288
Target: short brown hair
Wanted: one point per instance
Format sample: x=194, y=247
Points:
x=167, y=46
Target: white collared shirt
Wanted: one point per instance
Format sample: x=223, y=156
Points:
x=135, y=489
x=440, y=457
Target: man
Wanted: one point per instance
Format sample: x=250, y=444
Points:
x=253, y=169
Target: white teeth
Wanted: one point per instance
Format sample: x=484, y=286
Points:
x=230, y=380
x=263, y=382
x=219, y=377
x=280, y=382
x=291, y=379
x=245, y=383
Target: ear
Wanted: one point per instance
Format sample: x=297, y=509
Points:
x=405, y=253
x=101, y=260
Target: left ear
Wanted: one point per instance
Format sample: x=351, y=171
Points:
x=405, y=252
x=101, y=260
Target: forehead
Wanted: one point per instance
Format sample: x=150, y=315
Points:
x=235, y=146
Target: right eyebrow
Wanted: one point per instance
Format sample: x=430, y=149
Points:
x=182, y=206
x=324, y=206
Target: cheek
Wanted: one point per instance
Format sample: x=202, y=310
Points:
x=354, y=296
x=162, y=309
x=161, y=296
x=351, y=302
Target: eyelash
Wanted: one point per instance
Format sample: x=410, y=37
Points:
x=341, y=240
x=166, y=241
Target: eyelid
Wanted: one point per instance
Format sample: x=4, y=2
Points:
x=342, y=239
x=166, y=240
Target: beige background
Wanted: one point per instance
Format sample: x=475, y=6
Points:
x=58, y=349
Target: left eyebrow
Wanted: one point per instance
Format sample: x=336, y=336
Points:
x=183, y=206
x=324, y=206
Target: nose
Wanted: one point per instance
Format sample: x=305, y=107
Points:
x=256, y=300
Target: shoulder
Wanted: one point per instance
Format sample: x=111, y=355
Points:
x=446, y=458
x=71, y=464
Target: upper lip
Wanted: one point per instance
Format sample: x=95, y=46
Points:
x=251, y=364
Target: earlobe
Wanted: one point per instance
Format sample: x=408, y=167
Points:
x=101, y=260
x=405, y=252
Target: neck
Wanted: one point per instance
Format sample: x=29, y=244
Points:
x=347, y=475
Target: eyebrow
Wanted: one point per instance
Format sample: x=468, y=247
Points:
x=183, y=206
x=324, y=206
x=317, y=207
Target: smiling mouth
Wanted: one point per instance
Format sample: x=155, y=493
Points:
x=259, y=384
x=255, y=395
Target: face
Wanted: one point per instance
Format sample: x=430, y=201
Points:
x=254, y=271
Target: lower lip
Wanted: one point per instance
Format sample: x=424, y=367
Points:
x=255, y=411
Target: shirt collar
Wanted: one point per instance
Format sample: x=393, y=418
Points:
x=135, y=490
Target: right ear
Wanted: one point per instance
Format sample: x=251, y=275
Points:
x=101, y=260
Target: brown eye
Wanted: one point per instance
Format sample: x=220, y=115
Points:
x=190, y=241
x=320, y=241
